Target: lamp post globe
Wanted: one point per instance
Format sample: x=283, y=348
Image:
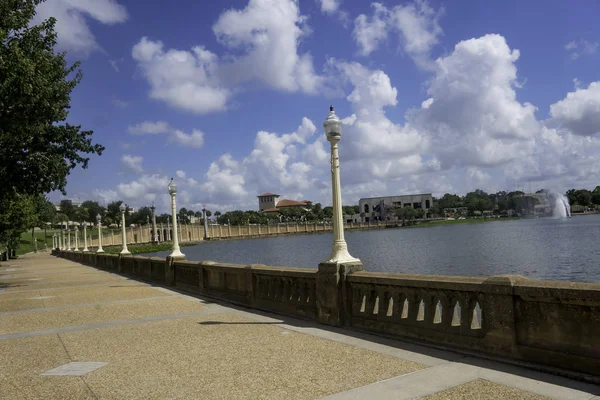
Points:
x=172, y=188
x=339, y=250
x=124, y=249
x=99, y=221
x=176, y=253
x=333, y=126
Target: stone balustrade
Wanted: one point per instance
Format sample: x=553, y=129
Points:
x=546, y=323
x=142, y=234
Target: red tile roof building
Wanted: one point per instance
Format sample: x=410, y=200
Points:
x=267, y=202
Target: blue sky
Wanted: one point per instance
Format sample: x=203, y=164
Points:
x=229, y=97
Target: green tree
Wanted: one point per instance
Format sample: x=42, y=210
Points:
x=93, y=208
x=183, y=215
x=60, y=219
x=596, y=196
x=37, y=149
x=437, y=208
x=80, y=214
x=571, y=195
x=163, y=218
x=406, y=214
x=349, y=210
x=478, y=201
x=142, y=216
x=67, y=208
x=450, y=201
x=18, y=215
x=584, y=197
x=44, y=211
x=113, y=213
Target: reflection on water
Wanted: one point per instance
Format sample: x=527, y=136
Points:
x=545, y=248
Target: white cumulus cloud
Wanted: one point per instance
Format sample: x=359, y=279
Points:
x=194, y=139
x=150, y=128
x=183, y=79
x=263, y=40
x=329, y=6
x=416, y=23
x=472, y=116
x=370, y=31
x=579, y=111
x=577, y=48
x=72, y=17
x=133, y=163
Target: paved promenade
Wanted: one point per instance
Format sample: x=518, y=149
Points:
x=69, y=331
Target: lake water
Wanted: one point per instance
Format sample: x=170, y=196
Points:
x=555, y=249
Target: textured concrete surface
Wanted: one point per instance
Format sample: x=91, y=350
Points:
x=160, y=344
x=484, y=390
x=66, y=297
x=40, y=285
x=85, y=315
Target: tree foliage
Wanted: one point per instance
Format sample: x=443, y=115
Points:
x=44, y=210
x=113, y=213
x=67, y=208
x=18, y=215
x=92, y=209
x=37, y=148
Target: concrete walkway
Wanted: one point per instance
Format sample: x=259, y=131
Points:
x=69, y=331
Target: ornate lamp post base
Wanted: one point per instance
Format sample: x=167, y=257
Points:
x=176, y=256
x=340, y=255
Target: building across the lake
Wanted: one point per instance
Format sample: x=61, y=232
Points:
x=374, y=208
x=74, y=203
x=269, y=202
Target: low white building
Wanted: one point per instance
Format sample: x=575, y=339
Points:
x=374, y=208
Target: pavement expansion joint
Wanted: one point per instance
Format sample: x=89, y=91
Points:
x=76, y=368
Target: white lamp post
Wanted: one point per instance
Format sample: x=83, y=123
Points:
x=339, y=251
x=154, y=233
x=68, y=238
x=176, y=253
x=76, y=239
x=124, y=250
x=85, y=236
x=99, y=220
